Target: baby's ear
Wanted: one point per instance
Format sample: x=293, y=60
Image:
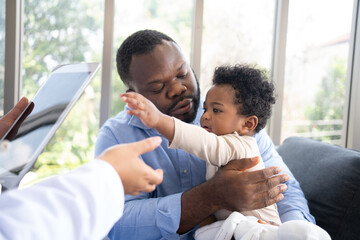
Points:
x=250, y=123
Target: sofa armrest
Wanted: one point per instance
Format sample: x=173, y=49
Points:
x=330, y=178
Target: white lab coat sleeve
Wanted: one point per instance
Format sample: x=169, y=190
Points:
x=83, y=204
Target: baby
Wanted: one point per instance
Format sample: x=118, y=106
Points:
x=236, y=107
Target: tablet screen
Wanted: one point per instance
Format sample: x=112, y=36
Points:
x=50, y=106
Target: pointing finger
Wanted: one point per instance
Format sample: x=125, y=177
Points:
x=146, y=145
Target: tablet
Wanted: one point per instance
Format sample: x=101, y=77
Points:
x=34, y=128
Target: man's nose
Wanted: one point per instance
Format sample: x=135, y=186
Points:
x=176, y=89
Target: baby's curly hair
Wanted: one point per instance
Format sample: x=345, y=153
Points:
x=253, y=91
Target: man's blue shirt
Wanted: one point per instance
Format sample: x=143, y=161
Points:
x=156, y=215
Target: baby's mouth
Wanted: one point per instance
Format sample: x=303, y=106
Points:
x=206, y=128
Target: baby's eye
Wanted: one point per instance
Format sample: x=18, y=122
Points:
x=205, y=109
x=215, y=110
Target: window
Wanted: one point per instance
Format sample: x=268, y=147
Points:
x=60, y=32
x=236, y=32
x=2, y=54
x=315, y=70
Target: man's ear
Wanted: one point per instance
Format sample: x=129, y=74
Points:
x=250, y=123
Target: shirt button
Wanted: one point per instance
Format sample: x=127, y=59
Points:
x=185, y=171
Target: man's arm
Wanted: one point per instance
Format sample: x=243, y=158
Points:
x=145, y=217
x=294, y=206
x=244, y=191
x=148, y=217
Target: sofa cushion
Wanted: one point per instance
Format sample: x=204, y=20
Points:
x=330, y=178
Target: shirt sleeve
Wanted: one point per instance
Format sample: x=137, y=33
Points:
x=83, y=204
x=294, y=205
x=105, y=139
x=149, y=218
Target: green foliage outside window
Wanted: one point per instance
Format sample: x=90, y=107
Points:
x=61, y=32
x=329, y=100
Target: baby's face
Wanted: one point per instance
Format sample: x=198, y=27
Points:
x=220, y=112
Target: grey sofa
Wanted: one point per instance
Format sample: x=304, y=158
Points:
x=330, y=178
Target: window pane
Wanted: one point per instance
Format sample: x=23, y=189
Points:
x=236, y=31
x=2, y=54
x=316, y=64
x=171, y=17
x=59, y=32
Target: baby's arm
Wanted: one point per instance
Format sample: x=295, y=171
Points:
x=217, y=150
x=149, y=114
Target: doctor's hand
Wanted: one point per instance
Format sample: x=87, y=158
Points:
x=7, y=120
x=135, y=175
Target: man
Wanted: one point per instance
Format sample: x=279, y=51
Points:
x=152, y=64
x=83, y=204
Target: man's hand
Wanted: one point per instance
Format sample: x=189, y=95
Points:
x=142, y=108
x=135, y=175
x=237, y=190
x=12, y=115
x=234, y=189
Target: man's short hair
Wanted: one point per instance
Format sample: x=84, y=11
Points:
x=141, y=42
x=253, y=91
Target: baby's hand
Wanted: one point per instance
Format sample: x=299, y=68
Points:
x=142, y=108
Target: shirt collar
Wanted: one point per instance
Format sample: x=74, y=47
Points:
x=135, y=121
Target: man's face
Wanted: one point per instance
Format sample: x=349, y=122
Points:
x=165, y=78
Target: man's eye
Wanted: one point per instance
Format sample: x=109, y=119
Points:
x=183, y=76
x=205, y=109
x=215, y=110
x=157, y=89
